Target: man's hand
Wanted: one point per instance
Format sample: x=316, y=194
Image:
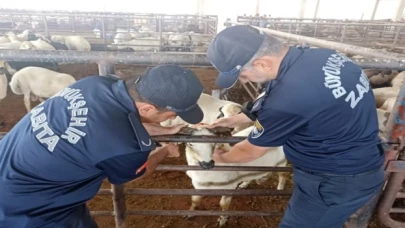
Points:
x=173, y=151
x=223, y=122
x=217, y=155
x=176, y=128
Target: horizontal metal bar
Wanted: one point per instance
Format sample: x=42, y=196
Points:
x=64, y=56
x=397, y=210
x=224, y=168
x=192, y=213
x=182, y=58
x=200, y=192
x=396, y=166
x=346, y=48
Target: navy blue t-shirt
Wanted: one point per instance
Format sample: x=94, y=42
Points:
x=321, y=108
x=57, y=156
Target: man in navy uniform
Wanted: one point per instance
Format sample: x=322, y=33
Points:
x=319, y=106
x=57, y=156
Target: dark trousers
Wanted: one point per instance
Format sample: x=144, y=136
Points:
x=80, y=218
x=327, y=201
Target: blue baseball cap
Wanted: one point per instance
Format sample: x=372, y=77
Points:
x=231, y=49
x=174, y=88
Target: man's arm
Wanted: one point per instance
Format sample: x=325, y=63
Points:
x=156, y=129
x=240, y=153
x=123, y=168
x=157, y=156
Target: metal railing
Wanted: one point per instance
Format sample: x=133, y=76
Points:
x=383, y=33
x=101, y=27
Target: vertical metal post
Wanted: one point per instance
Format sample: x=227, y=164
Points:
x=73, y=23
x=160, y=35
x=316, y=30
x=12, y=21
x=316, y=9
x=396, y=36
x=105, y=68
x=45, y=25
x=342, y=38
x=119, y=206
x=375, y=9
x=103, y=34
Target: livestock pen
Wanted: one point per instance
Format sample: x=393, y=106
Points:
x=99, y=28
x=169, y=176
x=170, y=184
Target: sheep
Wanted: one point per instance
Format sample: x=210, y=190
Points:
x=37, y=44
x=382, y=94
x=38, y=82
x=143, y=44
x=382, y=116
x=398, y=80
x=383, y=78
x=388, y=105
x=209, y=105
x=12, y=45
x=3, y=83
x=179, y=42
x=200, y=154
x=4, y=39
x=231, y=109
x=78, y=43
x=122, y=37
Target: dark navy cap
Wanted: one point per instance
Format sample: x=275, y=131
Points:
x=174, y=88
x=231, y=49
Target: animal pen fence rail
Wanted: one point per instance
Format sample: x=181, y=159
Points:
x=381, y=60
x=101, y=27
x=378, y=34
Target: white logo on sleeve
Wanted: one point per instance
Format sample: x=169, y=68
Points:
x=257, y=130
x=147, y=144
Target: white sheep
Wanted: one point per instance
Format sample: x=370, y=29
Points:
x=179, y=42
x=11, y=45
x=78, y=43
x=230, y=110
x=384, y=77
x=38, y=82
x=398, y=80
x=37, y=44
x=3, y=83
x=389, y=104
x=383, y=116
x=142, y=44
x=210, y=107
x=4, y=39
x=382, y=94
x=122, y=37
x=200, y=153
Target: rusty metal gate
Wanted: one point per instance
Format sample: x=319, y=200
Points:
x=105, y=61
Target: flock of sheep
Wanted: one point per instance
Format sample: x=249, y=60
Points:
x=146, y=39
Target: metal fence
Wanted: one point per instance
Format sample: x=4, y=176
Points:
x=105, y=60
x=375, y=33
x=101, y=27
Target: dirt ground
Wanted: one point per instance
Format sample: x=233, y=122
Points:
x=12, y=109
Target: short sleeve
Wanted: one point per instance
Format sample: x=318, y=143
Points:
x=123, y=168
x=274, y=127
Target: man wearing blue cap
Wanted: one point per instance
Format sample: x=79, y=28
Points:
x=319, y=106
x=57, y=156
